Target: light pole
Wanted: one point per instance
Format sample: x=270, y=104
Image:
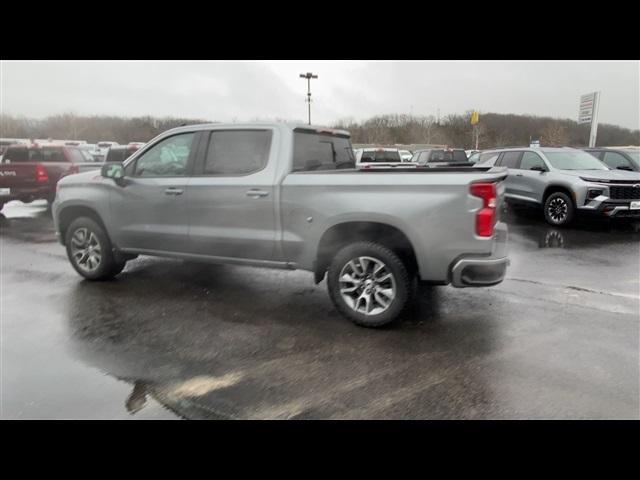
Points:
x=308, y=76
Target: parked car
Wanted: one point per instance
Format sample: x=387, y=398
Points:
x=102, y=148
x=288, y=197
x=380, y=157
x=440, y=157
x=469, y=153
x=31, y=172
x=564, y=182
x=136, y=144
x=627, y=158
x=406, y=155
x=120, y=153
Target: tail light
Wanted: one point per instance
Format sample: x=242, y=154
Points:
x=41, y=174
x=486, y=216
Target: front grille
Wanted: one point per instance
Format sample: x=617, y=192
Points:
x=625, y=193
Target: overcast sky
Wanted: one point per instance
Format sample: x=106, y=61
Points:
x=242, y=91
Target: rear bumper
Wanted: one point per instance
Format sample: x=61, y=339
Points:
x=482, y=271
x=27, y=194
x=477, y=272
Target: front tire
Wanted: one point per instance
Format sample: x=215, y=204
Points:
x=558, y=209
x=89, y=250
x=369, y=284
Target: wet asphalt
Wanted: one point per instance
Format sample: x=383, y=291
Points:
x=558, y=339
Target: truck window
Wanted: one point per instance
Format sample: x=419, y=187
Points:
x=76, y=155
x=53, y=154
x=237, y=152
x=16, y=155
x=318, y=151
x=167, y=158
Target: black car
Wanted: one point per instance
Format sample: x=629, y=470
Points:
x=120, y=153
x=618, y=158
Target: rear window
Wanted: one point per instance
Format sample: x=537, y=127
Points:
x=117, y=155
x=455, y=156
x=76, y=155
x=16, y=155
x=53, y=154
x=318, y=151
x=381, y=156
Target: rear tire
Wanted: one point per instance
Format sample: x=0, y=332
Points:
x=369, y=284
x=89, y=250
x=558, y=209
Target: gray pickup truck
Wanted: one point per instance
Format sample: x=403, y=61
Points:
x=289, y=197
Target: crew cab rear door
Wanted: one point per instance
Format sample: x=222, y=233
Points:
x=231, y=196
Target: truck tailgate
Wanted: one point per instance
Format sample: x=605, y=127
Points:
x=17, y=175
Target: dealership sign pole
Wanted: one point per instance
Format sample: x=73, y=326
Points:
x=589, y=106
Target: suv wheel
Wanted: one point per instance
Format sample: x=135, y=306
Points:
x=89, y=250
x=369, y=284
x=558, y=209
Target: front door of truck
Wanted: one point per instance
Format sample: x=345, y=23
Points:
x=231, y=195
x=150, y=211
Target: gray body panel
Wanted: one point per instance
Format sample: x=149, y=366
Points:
x=275, y=218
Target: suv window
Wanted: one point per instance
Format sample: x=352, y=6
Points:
x=531, y=159
x=615, y=160
x=167, y=158
x=237, y=152
x=320, y=151
x=510, y=159
x=488, y=157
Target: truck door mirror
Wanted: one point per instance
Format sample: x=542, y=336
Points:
x=114, y=171
x=538, y=168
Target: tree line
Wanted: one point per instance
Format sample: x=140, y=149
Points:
x=494, y=129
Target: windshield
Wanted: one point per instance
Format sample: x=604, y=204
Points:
x=635, y=156
x=574, y=161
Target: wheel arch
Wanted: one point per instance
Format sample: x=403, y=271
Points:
x=70, y=213
x=341, y=234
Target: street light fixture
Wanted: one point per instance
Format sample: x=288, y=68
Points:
x=308, y=76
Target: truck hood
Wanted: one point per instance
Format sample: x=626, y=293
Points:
x=84, y=177
x=607, y=175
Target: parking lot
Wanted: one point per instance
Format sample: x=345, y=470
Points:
x=558, y=339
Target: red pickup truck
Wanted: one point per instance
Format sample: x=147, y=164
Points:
x=31, y=172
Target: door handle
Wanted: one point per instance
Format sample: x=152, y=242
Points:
x=255, y=193
x=518, y=174
x=173, y=191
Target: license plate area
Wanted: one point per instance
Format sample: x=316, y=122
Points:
x=7, y=191
x=634, y=205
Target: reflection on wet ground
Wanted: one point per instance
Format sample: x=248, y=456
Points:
x=169, y=339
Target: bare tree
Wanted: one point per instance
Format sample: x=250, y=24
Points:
x=554, y=134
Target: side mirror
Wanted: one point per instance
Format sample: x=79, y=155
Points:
x=114, y=171
x=538, y=168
